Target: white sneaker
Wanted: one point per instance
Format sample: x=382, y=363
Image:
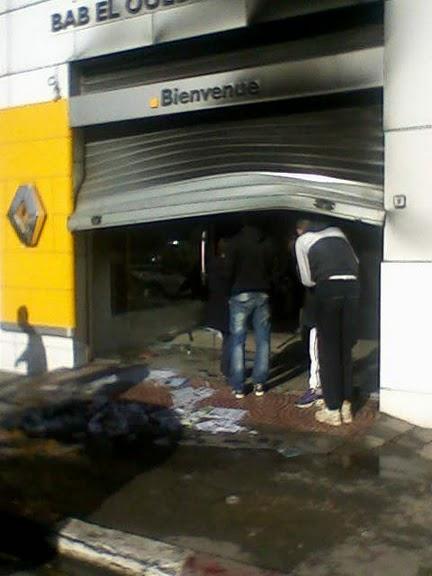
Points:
x=346, y=412
x=330, y=417
x=259, y=390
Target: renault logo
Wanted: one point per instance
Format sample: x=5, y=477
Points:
x=27, y=214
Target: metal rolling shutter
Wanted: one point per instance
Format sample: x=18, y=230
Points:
x=326, y=162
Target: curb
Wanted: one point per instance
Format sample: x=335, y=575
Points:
x=132, y=555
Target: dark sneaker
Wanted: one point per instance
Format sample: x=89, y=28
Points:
x=309, y=398
x=239, y=394
x=259, y=390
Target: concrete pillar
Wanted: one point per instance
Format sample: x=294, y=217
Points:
x=406, y=284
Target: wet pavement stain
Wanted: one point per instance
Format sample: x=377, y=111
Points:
x=287, y=500
x=283, y=511
x=253, y=506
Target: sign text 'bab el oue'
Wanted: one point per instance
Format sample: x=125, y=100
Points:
x=79, y=16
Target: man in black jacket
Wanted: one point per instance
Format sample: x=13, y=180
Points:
x=327, y=261
x=250, y=259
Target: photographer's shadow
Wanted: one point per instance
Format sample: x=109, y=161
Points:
x=34, y=356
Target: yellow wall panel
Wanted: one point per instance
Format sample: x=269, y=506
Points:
x=4, y=200
x=47, y=270
x=3, y=204
x=2, y=229
x=36, y=148
x=35, y=122
x=62, y=195
x=53, y=308
x=63, y=243
x=37, y=159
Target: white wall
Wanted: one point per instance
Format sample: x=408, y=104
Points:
x=408, y=126
x=408, y=88
x=406, y=303
x=34, y=86
x=406, y=317
x=30, y=55
x=28, y=43
x=408, y=161
x=53, y=351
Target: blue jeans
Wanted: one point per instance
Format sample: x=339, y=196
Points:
x=225, y=355
x=243, y=306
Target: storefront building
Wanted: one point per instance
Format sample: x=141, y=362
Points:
x=127, y=126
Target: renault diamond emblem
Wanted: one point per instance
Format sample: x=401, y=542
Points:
x=27, y=215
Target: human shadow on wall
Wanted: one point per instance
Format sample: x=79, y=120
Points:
x=34, y=356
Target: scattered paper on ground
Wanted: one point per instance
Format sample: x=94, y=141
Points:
x=176, y=382
x=208, y=419
x=161, y=375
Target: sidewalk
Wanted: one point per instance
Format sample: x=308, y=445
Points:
x=283, y=493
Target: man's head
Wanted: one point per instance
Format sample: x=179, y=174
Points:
x=305, y=225
x=302, y=226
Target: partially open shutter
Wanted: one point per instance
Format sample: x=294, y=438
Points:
x=325, y=162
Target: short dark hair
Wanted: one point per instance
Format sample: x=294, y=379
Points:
x=303, y=224
x=311, y=225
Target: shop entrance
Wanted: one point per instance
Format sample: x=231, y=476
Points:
x=149, y=289
x=156, y=197
x=150, y=281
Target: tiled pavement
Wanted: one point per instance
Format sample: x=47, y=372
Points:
x=400, y=450
x=274, y=416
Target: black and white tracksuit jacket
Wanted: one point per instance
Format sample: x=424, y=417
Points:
x=325, y=254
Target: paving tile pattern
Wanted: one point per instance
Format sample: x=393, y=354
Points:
x=274, y=410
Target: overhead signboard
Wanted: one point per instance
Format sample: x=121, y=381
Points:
x=89, y=13
x=336, y=73
x=103, y=11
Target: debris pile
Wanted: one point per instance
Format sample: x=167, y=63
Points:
x=94, y=410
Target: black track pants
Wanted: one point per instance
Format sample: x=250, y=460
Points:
x=336, y=311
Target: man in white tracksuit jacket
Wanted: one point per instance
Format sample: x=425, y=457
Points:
x=327, y=262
